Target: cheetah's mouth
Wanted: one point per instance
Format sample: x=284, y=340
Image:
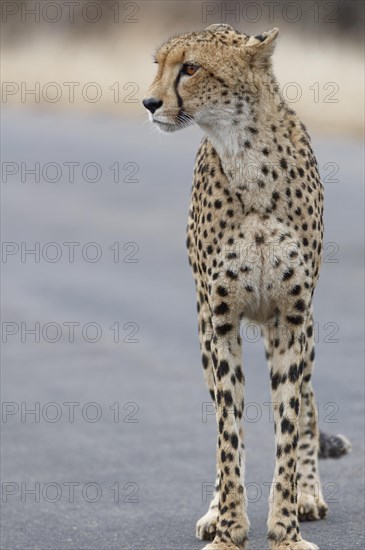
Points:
x=182, y=120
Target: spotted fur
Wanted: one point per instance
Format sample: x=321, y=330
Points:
x=255, y=241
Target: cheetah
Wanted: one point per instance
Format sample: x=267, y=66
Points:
x=254, y=243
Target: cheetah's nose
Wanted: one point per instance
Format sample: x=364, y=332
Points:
x=152, y=104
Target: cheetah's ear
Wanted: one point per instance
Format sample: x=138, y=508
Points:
x=261, y=46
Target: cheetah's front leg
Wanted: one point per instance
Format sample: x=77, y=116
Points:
x=207, y=525
x=286, y=377
x=232, y=524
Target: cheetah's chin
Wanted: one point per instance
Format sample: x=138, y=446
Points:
x=167, y=126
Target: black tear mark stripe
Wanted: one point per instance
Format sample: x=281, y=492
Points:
x=178, y=96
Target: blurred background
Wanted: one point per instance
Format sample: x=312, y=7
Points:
x=318, y=62
x=107, y=428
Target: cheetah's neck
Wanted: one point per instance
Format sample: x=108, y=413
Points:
x=240, y=140
x=234, y=136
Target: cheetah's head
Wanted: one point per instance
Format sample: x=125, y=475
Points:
x=208, y=76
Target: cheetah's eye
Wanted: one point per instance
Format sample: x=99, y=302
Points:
x=189, y=69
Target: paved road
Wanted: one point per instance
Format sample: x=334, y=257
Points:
x=148, y=459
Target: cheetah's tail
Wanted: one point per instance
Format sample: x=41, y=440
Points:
x=333, y=446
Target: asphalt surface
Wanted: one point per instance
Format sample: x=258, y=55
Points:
x=126, y=421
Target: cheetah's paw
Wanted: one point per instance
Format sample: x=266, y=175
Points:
x=237, y=538
x=207, y=525
x=290, y=545
x=310, y=509
x=220, y=545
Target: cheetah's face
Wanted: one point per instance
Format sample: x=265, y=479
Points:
x=205, y=77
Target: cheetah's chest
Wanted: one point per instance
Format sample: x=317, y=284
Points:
x=248, y=239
